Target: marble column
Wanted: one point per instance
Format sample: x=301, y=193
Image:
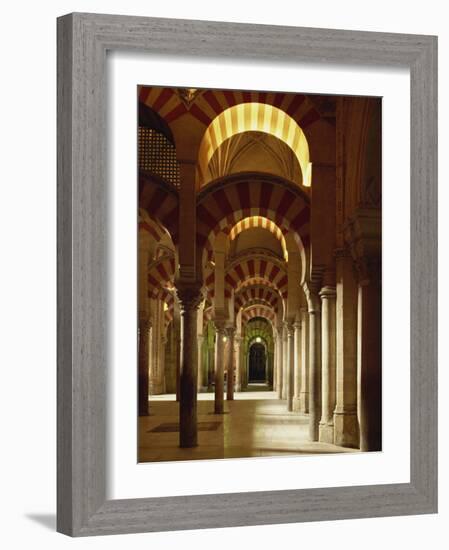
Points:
x=290, y=365
x=230, y=364
x=238, y=363
x=164, y=340
x=280, y=367
x=220, y=334
x=346, y=426
x=200, y=339
x=144, y=353
x=314, y=366
x=284, y=361
x=189, y=298
x=328, y=347
x=304, y=391
x=297, y=365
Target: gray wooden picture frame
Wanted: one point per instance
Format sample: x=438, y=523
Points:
x=83, y=40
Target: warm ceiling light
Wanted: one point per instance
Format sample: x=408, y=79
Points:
x=255, y=117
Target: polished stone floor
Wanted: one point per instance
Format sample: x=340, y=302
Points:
x=255, y=424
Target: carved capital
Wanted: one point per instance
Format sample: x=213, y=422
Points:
x=220, y=327
x=363, y=235
x=328, y=292
x=312, y=297
x=189, y=296
x=289, y=328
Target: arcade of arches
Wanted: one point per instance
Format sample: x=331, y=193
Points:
x=259, y=273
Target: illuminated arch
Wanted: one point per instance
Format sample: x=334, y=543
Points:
x=263, y=223
x=254, y=117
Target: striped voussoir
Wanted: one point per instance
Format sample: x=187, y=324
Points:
x=161, y=202
x=232, y=199
x=160, y=274
x=262, y=295
x=258, y=311
x=208, y=104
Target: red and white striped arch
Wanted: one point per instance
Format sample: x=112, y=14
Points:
x=151, y=226
x=260, y=294
x=161, y=276
x=233, y=198
x=161, y=203
x=208, y=104
x=259, y=311
x=262, y=268
x=264, y=271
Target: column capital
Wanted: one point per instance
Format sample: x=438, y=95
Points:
x=230, y=331
x=289, y=326
x=145, y=319
x=189, y=295
x=313, y=299
x=220, y=326
x=363, y=234
x=328, y=292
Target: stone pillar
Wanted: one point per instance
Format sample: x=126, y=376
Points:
x=346, y=427
x=314, y=366
x=284, y=361
x=363, y=233
x=238, y=363
x=280, y=364
x=297, y=366
x=162, y=363
x=328, y=295
x=369, y=365
x=144, y=325
x=144, y=378
x=189, y=297
x=304, y=391
x=220, y=334
x=290, y=365
x=230, y=364
x=200, y=339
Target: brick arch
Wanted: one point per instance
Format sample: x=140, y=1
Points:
x=161, y=276
x=259, y=294
x=265, y=270
x=257, y=267
x=151, y=226
x=160, y=200
x=231, y=199
x=255, y=311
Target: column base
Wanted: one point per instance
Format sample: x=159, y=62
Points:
x=346, y=430
x=326, y=433
x=304, y=402
x=297, y=404
x=157, y=388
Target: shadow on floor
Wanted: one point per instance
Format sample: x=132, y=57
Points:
x=46, y=520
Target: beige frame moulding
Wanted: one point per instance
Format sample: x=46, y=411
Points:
x=83, y=40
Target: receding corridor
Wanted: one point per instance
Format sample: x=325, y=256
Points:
x=259, y=273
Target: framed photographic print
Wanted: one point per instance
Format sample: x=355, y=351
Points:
x=246, y=274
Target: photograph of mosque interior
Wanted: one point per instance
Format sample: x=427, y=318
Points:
x=259, y=274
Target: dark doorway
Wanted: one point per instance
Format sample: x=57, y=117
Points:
x=257, y=363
